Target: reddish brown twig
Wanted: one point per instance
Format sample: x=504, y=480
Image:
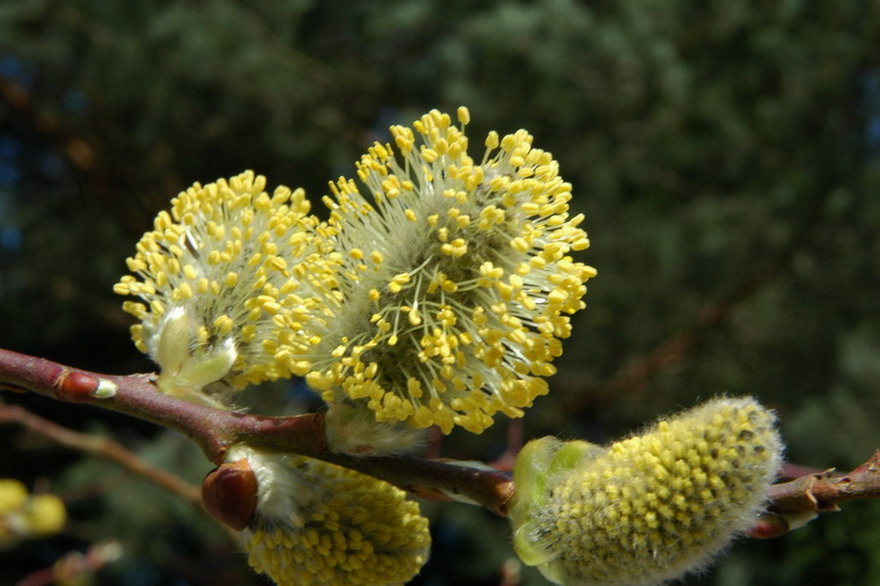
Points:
x=215, y=430
x=100, y=447
x=136, y=395
x=795, y=502
x=824, y=491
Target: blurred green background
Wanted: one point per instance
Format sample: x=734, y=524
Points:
x=725, y=154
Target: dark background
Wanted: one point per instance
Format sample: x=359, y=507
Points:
x=725, y=154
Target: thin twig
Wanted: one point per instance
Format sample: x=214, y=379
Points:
x=824, y=491
x=101, y=447
x=793, y=503
x=75, y=565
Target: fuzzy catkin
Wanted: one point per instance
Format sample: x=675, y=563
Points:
x=321, y=524
x=456, y=282
x=649, y=508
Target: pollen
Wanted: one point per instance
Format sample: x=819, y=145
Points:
x=473, y=279
x=218, y=281
x=317, y=523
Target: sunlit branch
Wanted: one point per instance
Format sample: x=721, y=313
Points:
x=215, y=430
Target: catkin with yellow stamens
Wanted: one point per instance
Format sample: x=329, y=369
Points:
x=458, y=283
x=224, y=281
x=317, y=523
x=649, y=508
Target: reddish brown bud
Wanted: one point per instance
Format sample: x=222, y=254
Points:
x=768, y=526
x=76, y=386
x=230, y=493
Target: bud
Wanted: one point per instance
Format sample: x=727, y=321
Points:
x=229, y=493
x=649, y=508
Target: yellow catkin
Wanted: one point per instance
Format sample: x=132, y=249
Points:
x=478, y=341
x=227, y=268
x=649, y=508
x=318, y=524
x=27, y=516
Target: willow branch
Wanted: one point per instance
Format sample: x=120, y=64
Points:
x=101, y=447
x=216, y=430
x=826, y=490
x=797, y=501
